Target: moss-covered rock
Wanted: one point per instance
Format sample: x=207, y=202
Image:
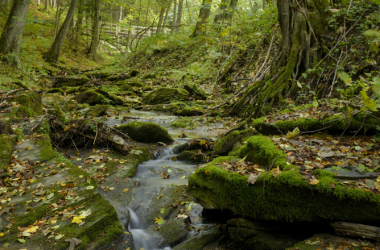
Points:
x=334, y=124
x=56, y=90
x=30, y=104
x=149, y=76
x=71, y=106
x=163, y=95
x=91, y=97
x=189, y=111
x=199, y=241
x=191, y=156
x=173, y=231
x=170, y=107
x=195, y=91
x=146, y=132
x=288, y=197
x=70, y=81
x=97, y=110
x=6, y=144
x=226, y=143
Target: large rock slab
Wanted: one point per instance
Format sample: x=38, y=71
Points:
x=283, y=193
x=163, y=95
x=146, y=132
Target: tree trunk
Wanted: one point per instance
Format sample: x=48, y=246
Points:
x=174, y=16
x=300, y=25
x=222, y=9
x=79, y=22
x=204, y=14
x=46, y=4
x=166, y=16
x=55, y=50
x=12, y=32
x=179, y=15
x=95, y=30
x=264, y=3
x=231, y=9
x=160, y=19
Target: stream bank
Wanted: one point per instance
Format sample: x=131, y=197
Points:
x=252, y=187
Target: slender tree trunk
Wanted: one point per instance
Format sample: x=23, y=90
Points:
x=204, y=14
x=222, y=9
x=79, y=23
x=95, y=30
x=264, y=4
x=166, y=16
x=12, y=32
x=160, y=19
x=174, y=16
x=231, y=9
x=46, y=4
x=55, y=50
x=179, y=15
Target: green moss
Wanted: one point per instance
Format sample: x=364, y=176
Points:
x=195, y=91
x=173, y=232
x=171, y=107
x=224, y=145
x=146, y=132
x=189, y=111
x=91, y=97
x=71, y=106
x=56, y=90
x=6, y=145
x=163, y=95
x=30, y=104
x=46, y=151
x=287, y=197
x=97, y=111
x=136, y=156
x=191, y=156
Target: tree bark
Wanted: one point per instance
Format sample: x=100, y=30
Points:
x=179, y=15
x=174, y=16
x=166, y=15
x=222, y=9
x=55, y=50
x=95, y=31
x=79, y=22
x=204, y=14
x=12, y=32
x=160, y=19
x=231, y=9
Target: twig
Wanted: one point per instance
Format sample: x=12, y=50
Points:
x=74, y=144
x=360, y=127
x=336, y=69
x=96, y=134
x=38, y=124
x=10, y=93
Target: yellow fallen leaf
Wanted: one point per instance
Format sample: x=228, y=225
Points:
x=314, y=182
x=125, y=190
x=32, y=229
x=78, y=219
x=63, y=184
x=2, y=234
x=160, y=196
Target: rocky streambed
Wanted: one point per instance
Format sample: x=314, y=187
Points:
x=162, y=176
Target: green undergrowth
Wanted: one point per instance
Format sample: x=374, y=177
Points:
x=285, y=197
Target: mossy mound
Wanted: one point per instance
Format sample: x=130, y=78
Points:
x=192, y=111
x=170, y=107
x=6, y=144
x=98, y=96
x=30, y=104
x=173, y=232
x=225, y=144
x=70, y=81
x=97, y=111
x=286, y=196
x=191, y=156
x=195, y=91
x=334, y=124
x=148, y=132
x=71, y=106
x=163, y=95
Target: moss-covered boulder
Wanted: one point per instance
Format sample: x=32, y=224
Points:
x=71, y=106
x=70, y=81
x=98, y=96
x=30, y=104
x=173, y=232
x=226, y=143
x=286, y=194
x=189, y=111
x=56, y=90
x=148, y=132
x=6, y=145
x=98, y=110
x=196, y=91
x=191, y=156
x=163, y=95
x=200, y=240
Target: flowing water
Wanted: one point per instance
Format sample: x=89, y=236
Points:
x=150, y=183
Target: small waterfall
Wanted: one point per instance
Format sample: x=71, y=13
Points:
x=141, y=239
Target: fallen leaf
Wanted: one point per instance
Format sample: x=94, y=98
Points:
x=32, y=229
x=73, y=243
x=159, y=221
x=77, y=219
x=253, y=178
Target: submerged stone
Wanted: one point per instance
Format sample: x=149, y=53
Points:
x=148, y=132
x=163, y=95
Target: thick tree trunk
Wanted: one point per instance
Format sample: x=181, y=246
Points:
x=79, y=22
x=300, y=25
x=95, y=30
x=55, y=50
x=160, y=19
x=204, y=14
x=179, y=15
x=12, y=32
